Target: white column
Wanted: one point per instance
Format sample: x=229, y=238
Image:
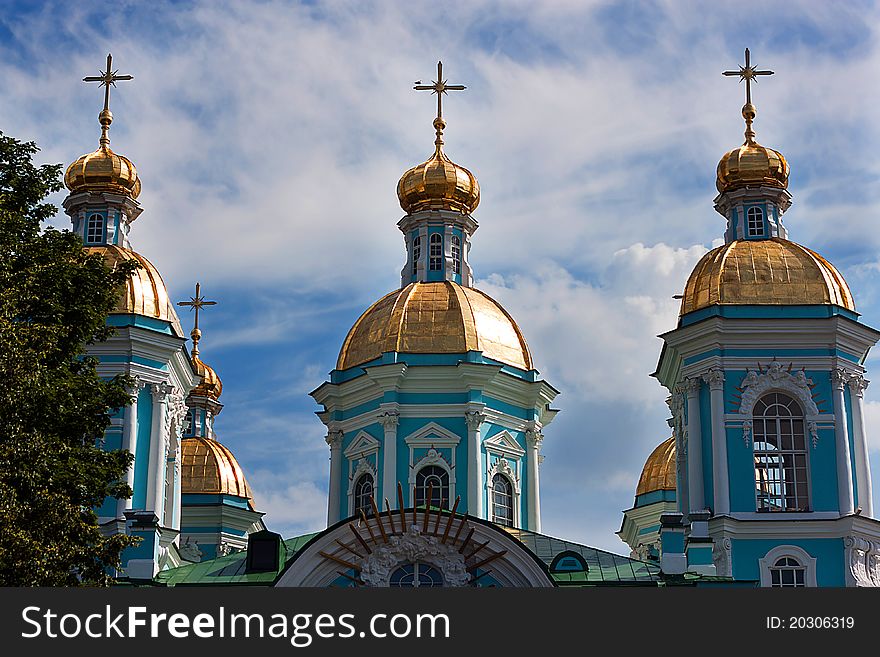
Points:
x=129, y=442
x=857, y=385
x=696, y=501
x=475, y=485
x=534, y=438
x=334, y=440
x=158, y=451
x=390, y=421
x=844, y=465
x=721, y=489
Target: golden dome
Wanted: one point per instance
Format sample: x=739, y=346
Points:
x=211, y=385
x=435, y=318
x=659, y=470
x=438, y=183
x=764, y=272
x=145, y=293
x=751, y=165
x=207, y=466
x=103, y=171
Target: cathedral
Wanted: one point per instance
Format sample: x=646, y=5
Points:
x=435, y=414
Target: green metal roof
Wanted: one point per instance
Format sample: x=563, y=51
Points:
x=603, y=568
x=229, y=570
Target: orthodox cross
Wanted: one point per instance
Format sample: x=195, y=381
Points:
x=439, y=87
x=748, y=73
x=106, y=79
x=196, y=303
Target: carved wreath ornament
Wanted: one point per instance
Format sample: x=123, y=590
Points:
x=776, y=377
x=410, y=547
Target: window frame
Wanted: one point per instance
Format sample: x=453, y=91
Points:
x=358, y=493
x=421, y=487
x=787, y=474
x=755, y=226
x=416, y=254
x=769, y=561
x=510, y=520
x=435, y=252
x=456, y=254
x=101, y=224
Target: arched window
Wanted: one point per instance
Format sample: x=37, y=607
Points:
x=363, y=494
x=780, y=454
x=502, y=501
x=417, y=254
x=456, y=254
x=437, y=479
x=435, y=260
x=190, y=423
x=95, y=229
x=416, y=574
x=787, y=572
x=755, y=222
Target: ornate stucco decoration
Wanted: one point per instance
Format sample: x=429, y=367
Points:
x=721, y=557
x=777, y=377
x=862, y=561
x=410, y=547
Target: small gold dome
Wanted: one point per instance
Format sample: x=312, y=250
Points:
x=103, y=171
x=659, y=470
x=208, y=466
x=145, y=292
x=435, y=318
x=438, y=184
x=764, y=272
x=751, y=165
x=211, y=385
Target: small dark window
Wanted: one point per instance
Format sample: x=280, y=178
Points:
x=363, y=494
x=416, y=575
x=568, y=562
x=95, y=229
x=416, y=254
x=436, y=479
x=787, y=573
x=502, y=501
x=755, y=222
x=435, y=260
x=456, y=255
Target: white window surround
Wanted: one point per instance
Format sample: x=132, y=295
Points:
x=755, y=221
x=95, y=228
x=436, y=439
x=502, y=467
x=358, y=454
x=767, y=562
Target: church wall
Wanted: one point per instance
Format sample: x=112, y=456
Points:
x=706, y=430
x=142, y=453
x=828, y=552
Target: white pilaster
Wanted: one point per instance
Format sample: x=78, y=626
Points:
x=334, y=440
x=475, y=487
x=721, y=488
x=390, y=421
x=534, y=438
x=857, y=385
x=844, y=465
x=158, y=451
x=696, y=501
x=129, y=442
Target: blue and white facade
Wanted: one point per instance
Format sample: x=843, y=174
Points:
x=766, y=375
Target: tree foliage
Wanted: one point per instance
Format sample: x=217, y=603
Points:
x=54, y=408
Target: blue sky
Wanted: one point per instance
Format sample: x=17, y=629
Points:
x=269, y=137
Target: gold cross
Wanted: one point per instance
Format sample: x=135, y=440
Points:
x=197, y=303
x=106, y=79
x=438, y=87
x=748, y=73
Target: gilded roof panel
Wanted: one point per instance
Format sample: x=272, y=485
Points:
x=659, y=470
x=764, y=272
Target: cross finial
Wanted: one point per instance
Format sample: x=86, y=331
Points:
x=439, y=87
x=748, y=73
x=196, y=303
x=106, y=79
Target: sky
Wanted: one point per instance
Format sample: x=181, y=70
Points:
x=269, y=137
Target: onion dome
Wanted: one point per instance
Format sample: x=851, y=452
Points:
x=211, y=385
x=103, y=170
x=764, y=272
x=435, y=318
x=659, y=470
x=208, y=467
x=438, y=183
x=751, y=165
x=145, y=292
